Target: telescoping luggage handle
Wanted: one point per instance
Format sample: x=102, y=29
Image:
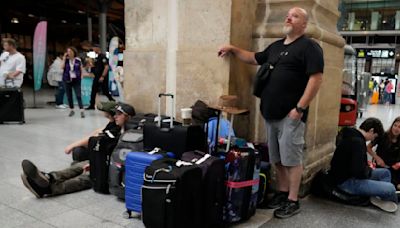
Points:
x=171, y=124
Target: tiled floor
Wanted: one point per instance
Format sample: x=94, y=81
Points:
x=48, y=131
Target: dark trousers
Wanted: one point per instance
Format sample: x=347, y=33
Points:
x=76, y=85
x=97, y=85
x=69, y=180
x=60, y=93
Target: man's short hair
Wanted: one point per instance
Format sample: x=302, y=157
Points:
x=374, y=123
x=10, y=42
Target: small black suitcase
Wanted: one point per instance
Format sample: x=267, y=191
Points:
x=100, y=148
x=11, y=105
x=175, y=138
x=172, y=195
x=213, y=189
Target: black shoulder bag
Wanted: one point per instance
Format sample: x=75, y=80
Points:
x=264, y=73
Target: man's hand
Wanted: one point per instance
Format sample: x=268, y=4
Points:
x=224, y=50
x=86, y=168
x=396, y=166
x=101, y=79
x=10, y=76
x=379, y=161
x=68, y=149
x=293, y=114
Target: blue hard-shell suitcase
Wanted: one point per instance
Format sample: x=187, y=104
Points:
x=135, y=165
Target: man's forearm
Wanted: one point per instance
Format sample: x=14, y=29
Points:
x=105, y=72
x=313, y=85
x=245, y=56
x=14, y=74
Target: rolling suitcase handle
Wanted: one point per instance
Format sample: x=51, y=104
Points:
x=171, y=124
x=9, y=80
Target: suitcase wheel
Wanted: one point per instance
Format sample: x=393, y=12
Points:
x=127, y=214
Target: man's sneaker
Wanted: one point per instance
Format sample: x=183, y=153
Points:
x=31, y=171
x=387, y=206
x=82, y=115
x=288, y=209
x=71, y=113
x=277, y=200
x=61, y=106
x=36, y=190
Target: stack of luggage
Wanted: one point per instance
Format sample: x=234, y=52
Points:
x=166, y=173
x=11, y=103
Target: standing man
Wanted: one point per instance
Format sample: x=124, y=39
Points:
x=293, y=83
x=12, y=65
x=100, y=77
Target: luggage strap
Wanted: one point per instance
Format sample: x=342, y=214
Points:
x=155, y=150
x=242, y=184
x=201, y=160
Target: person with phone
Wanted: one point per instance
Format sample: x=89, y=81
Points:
x=72, y=75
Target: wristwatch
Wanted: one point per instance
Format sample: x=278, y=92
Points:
x=300, y=110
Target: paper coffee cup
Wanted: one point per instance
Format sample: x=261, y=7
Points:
x=186, y=114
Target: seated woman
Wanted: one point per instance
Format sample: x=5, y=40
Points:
x=388, y=151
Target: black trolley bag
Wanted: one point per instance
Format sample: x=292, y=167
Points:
x=172, y=194
x=11, y=104
x=130, y=140
x=100, y=148
x=175, y=138
x=242, y=183
x=213, y=189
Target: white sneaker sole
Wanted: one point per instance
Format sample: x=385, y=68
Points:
x=387, y=206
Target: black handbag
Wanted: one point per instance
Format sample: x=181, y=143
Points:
x=261, y=78
x=263, y=74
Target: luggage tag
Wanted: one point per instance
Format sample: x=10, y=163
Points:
x=155, y=150
x=180, y=163
x=109, y=134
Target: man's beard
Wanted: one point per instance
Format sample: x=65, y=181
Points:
x=287, y=29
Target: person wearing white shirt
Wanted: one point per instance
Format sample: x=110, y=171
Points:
x=12, y=65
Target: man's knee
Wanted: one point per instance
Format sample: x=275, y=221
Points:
x=80, y=154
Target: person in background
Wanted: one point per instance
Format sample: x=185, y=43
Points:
x=12, y=65
x=388, y=151
x=292, y=85
x=55, y=75
x=100, y=77
x=76, y=177
x=72, y=75
x=350, y=170
x=388, y=92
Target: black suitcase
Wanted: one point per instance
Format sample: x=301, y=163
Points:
x=130, y=140
x=213, y=169
x=171, y=195
x=11, y=105
x=175, y=138
x=100, y=148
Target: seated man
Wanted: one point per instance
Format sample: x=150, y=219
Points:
x=79, y=149
x=72, y=179
x=350, y=170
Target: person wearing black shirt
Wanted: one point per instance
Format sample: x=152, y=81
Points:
x=350, y=170
x=293, y=83
x=76, y=177
x=100, y=77
x=388, y=151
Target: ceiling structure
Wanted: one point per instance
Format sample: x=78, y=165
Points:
x=67, y=19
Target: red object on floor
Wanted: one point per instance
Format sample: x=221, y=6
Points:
x=348, y=112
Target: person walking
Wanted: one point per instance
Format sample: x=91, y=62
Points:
x=296, y=66
x=12, y=65
x=72, y=67
x=100, y=77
